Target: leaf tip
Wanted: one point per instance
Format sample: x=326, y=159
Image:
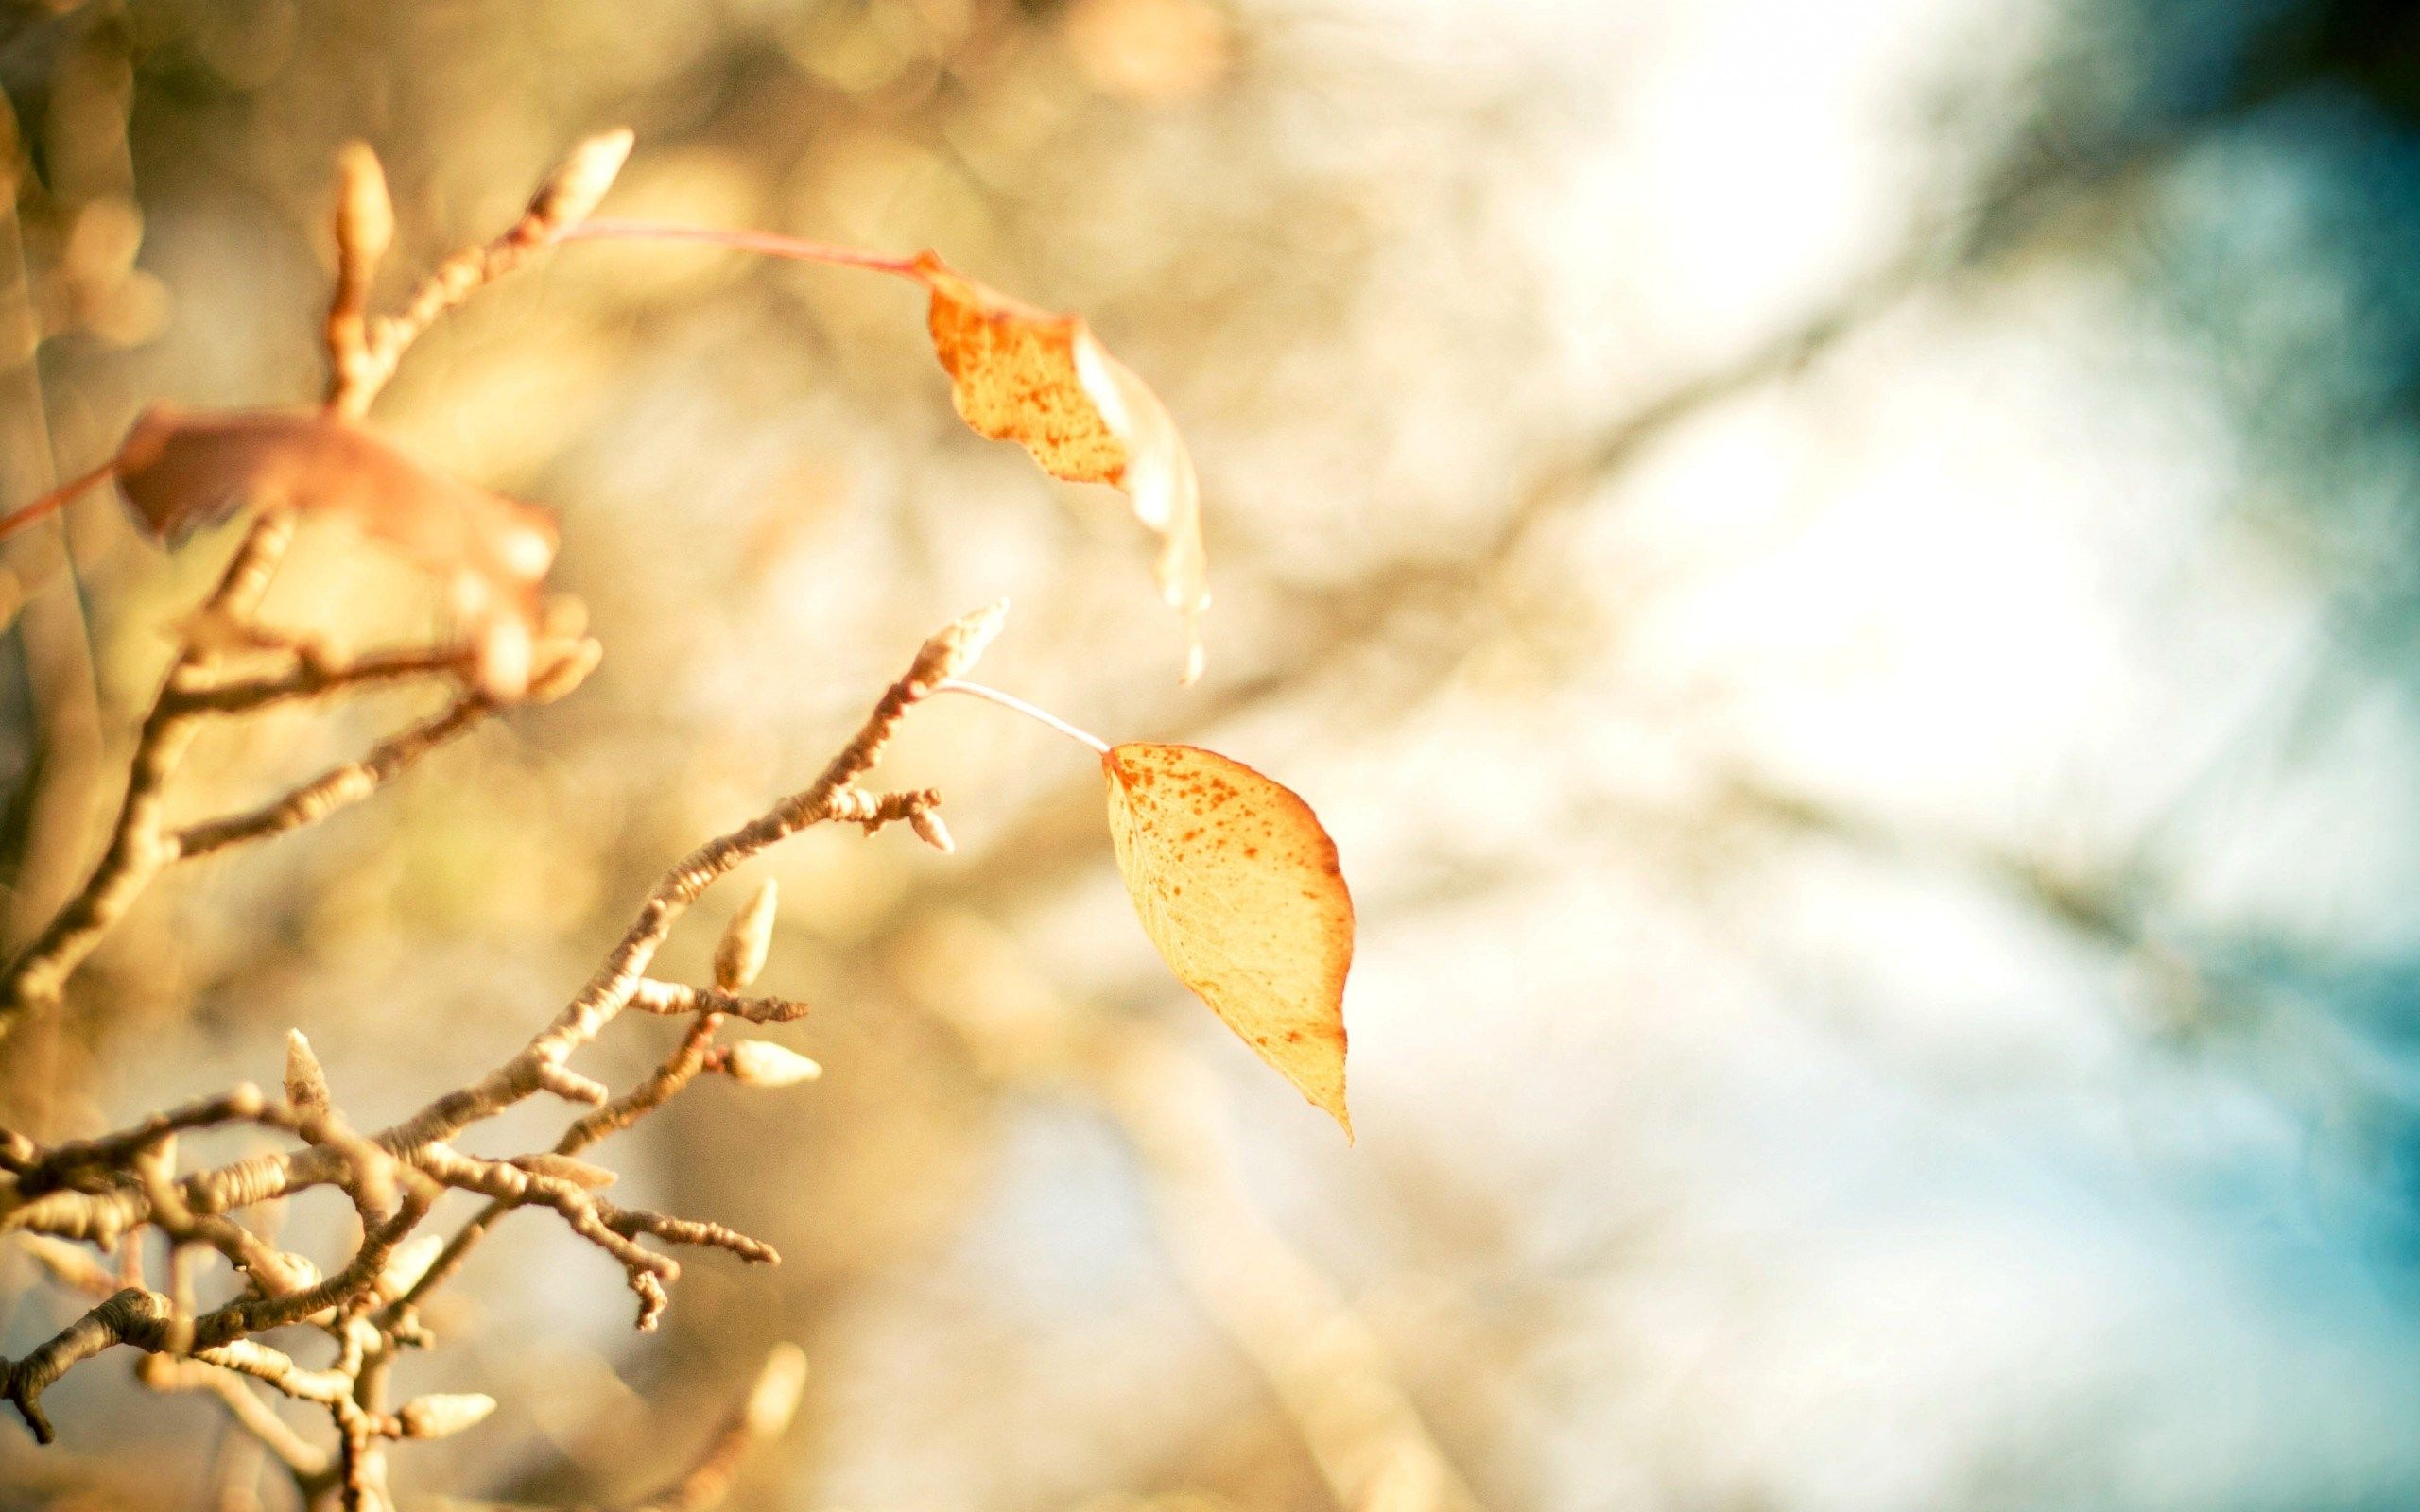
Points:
x=1205, y=842
x=1322, y=1083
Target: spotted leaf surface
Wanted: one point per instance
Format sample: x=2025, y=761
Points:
x=1237, y=885
x=1039, y=379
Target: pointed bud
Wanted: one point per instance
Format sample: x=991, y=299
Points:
x=365, y=215
x=750, y=935
x=762, y=1063
x=282, y=1271
x=306, y=1085
x=573, y=190
x=445, y=1413
x=930, y=829
x=573, y=661
x=956, y=646
x=407, y=1262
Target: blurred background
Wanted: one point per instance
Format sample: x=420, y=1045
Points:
x=1845, y=576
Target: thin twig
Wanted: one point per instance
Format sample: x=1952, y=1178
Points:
x=765, y=244
x=101, y=1189
x=334, y=789
x=363, y=357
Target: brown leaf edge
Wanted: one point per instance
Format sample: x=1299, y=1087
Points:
x=180, y=470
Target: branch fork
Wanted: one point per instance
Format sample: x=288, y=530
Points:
x=361, y=1316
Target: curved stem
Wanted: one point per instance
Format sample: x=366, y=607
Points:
x=764, y=243
x=1005, y=700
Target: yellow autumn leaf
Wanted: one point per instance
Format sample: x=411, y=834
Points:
x=1237, y=885
x=1041, y=380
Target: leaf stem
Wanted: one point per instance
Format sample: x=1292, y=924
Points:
x=764, y=243
x=51, y=500
x=1005, y=700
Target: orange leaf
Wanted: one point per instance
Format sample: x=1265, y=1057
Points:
x=1237, y=885
x=1039, y=379
x=180, y=470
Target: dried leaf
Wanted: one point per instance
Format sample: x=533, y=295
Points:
x=180, y=470
x=1039, y=379
x=1237, y=885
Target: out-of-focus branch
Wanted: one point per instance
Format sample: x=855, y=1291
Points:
x=1324, y=1364
x=561, y=203
x=365, y=229
x=1328, y=1371
x=334, y=789
x=301, y=1457
x=769, y=1408
x=315, y=675
x=50, y=615
x=363, y=354
x=135, y=854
